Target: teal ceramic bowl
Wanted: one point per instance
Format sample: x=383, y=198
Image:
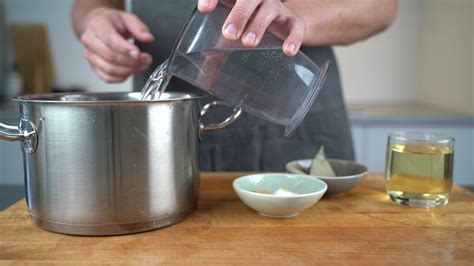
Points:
x=279, y=195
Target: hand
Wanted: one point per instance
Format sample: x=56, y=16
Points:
x=249, y=19
x=105, y=39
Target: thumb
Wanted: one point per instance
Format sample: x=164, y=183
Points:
x=136, y=27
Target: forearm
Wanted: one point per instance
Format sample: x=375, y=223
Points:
x=83, y=8
x=339, y=22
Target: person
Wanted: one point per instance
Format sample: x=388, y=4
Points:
x=250, y=144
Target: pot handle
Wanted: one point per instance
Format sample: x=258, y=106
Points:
x=25, y=132
x=229, y=120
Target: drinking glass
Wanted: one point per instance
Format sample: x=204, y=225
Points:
x=419, y=168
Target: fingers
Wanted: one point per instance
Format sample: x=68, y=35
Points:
x=295, y=38
x=107, y=30
x=111, y=68
x=249, y=19
x=110, y=71
x=107, y=48
x=266, y=13
x=101, y=68
x=92, y=43
x=109, y=78
x=238, y=18
x=118, y=43
x=136, y=27
x=102, y=37
x=107, y=45
x=206, y=6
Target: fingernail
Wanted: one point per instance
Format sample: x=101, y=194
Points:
x=231, y=30
x=133, y=54
x=147, y=35
x=292, y=48
x=250, y=37
x=204, y=3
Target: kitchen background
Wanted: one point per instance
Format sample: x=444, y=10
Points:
x=417, y=75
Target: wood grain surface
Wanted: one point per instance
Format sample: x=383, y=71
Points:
x=361, y=227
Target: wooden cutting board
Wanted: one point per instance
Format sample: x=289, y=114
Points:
x=361, y=227
x=30, y=43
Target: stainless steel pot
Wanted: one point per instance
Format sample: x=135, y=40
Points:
x=107, y=164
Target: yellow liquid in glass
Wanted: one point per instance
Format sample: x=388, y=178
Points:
x=419, y=173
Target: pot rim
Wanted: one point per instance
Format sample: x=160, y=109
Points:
x=100, y=98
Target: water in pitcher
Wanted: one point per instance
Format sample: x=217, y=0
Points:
x=262, y=81
x=257, y=78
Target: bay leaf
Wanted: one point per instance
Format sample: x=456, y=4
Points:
x=320, y=166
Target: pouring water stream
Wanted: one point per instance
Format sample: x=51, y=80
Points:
x=156, y=83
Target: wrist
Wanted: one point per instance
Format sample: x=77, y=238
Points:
x=83, y=15
x=96, y=12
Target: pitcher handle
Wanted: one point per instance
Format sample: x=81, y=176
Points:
x=229, y=120
x=25, y=132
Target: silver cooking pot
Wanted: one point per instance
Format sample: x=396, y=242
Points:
x=107, y=164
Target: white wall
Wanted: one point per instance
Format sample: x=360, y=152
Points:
x=384, y=68
x=446, y=55
x=425, y=56
x=70, y=66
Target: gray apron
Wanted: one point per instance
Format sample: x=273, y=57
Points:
x=251, y=144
